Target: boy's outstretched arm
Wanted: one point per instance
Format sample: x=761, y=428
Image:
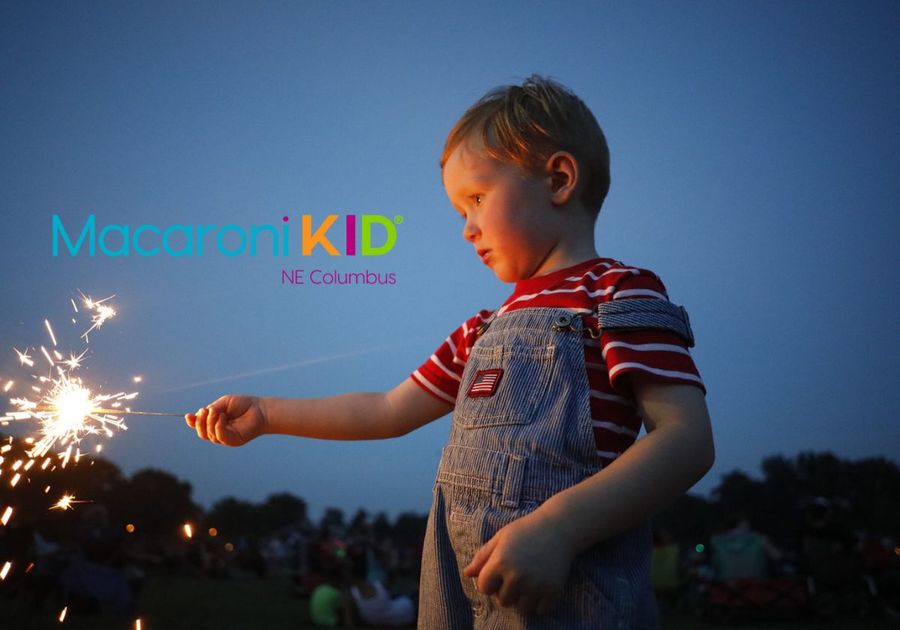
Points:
x=235, y=420
x=527, y=562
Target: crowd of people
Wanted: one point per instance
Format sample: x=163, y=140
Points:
x=351, y=577
x=825, y=570
x=346, y=574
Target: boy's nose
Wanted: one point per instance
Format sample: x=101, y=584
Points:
x=470, y=230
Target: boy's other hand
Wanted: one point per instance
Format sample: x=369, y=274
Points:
x=231, y=420
x=526, y=564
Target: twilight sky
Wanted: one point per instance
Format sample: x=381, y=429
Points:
x=754, y=164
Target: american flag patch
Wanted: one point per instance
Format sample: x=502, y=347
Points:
x=485, y=383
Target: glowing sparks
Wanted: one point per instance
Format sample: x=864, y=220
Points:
x=66, y=409
x=74, y=362
x=47, y=356
x=5, y=570
x=50, y=330
x=102, y=312
x=137, y=624
x=6, y=514
x=188, y=530
x=65, y=503
x=137, y=379
x=24, y=358
x=62, y=615
x=67, y=412
x=9, y=385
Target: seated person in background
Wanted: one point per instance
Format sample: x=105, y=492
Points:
x=329, y=604
x=373, y=602
x=742, y=553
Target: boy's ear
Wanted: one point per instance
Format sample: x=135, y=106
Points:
x=562, y=177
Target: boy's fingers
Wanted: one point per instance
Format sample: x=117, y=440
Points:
x=489, y=581
x=218, y=428
x=474, y=567
x=220, y=404
x=222, y=434
x=190, y=419
x=200, y=425
x=211, y=421
x=509, y=593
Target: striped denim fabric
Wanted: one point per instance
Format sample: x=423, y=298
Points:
x=509, y=452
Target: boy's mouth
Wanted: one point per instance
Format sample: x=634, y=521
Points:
x=484, y=254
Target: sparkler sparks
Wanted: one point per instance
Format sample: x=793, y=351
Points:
x=102, y=312
x=65, y=503
x=65, y=407
x=67, y=412
x=24, y=358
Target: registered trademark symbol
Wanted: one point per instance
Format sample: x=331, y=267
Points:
x=398, y=219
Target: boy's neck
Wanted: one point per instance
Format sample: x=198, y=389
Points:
x=540, y=282
x=567, y=255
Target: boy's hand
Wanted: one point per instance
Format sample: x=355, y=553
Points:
x=526, y=564
x=231, y=420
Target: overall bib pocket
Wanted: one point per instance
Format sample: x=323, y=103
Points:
x=519, y=385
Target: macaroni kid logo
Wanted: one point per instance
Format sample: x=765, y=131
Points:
x=184, y=240
x=229, y=240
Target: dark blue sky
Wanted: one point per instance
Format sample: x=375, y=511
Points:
x=754, y=162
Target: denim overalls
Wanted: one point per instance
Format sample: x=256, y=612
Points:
x=522, y=432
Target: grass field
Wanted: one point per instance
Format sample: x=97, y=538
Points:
x=181, y=603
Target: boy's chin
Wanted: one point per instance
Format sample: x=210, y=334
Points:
x=504, y=275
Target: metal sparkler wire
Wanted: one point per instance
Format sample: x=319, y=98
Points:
x=116, y=412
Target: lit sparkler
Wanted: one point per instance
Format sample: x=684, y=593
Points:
x=67, y=412
x=66, y=409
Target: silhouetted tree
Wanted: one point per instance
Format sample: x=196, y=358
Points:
x=382, y=526
x=234, y=517
x=156, y=502
x=410, y=527
x=281, y=510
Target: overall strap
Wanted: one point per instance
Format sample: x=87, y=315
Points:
x=643, y=314
x=480, y=330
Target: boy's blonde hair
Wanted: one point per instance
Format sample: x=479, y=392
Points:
x=526, y=124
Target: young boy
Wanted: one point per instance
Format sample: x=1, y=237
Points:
x=542, y=497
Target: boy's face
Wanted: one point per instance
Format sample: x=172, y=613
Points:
x=508, y=215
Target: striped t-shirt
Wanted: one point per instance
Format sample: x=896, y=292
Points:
x=659, y=354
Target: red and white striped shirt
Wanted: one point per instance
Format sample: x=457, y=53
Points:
x=659, y=354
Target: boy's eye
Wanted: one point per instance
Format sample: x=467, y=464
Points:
x=477, y=199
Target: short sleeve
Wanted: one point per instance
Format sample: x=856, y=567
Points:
x=441, y=374
x=660, y=354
